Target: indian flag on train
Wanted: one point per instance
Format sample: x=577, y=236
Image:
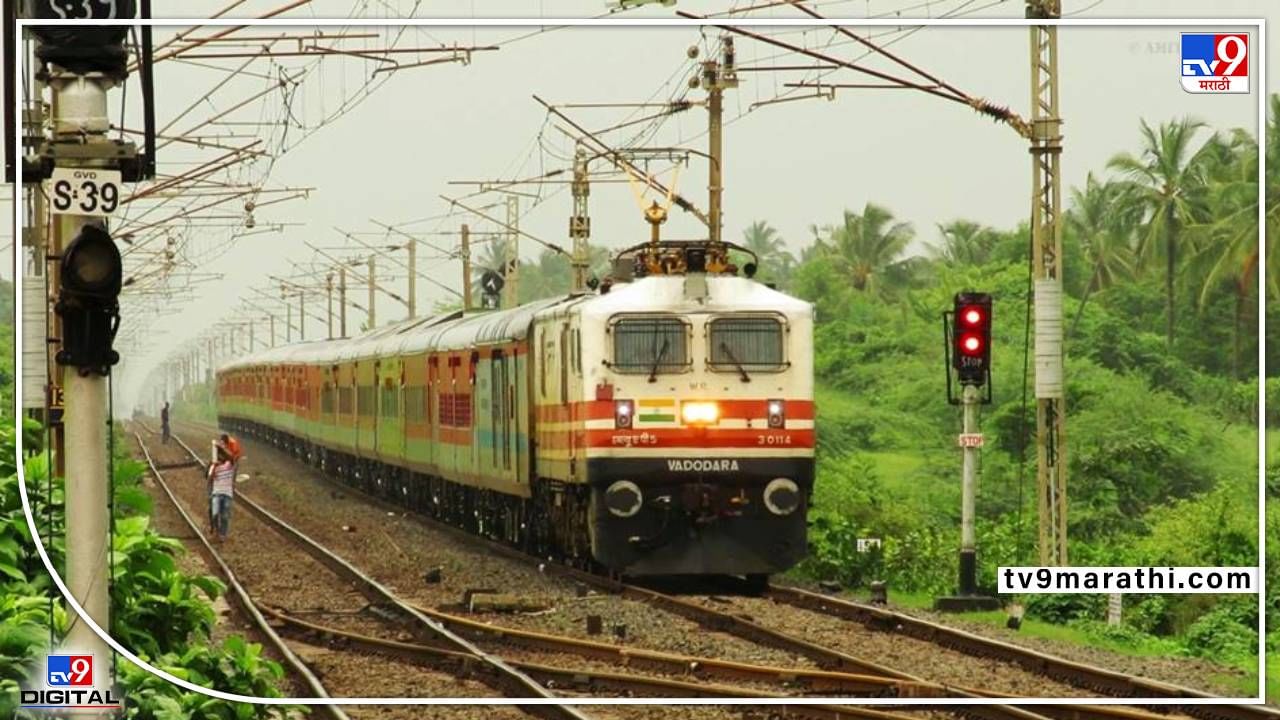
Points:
x=656, y=410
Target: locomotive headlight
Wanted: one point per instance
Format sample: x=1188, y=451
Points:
x=699, y=413
x=782, y=496
x=623, y=498
x=777, y=414
x=624, y=413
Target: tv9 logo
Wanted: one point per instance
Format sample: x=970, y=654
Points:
x=1215, y=63
x=69, y=671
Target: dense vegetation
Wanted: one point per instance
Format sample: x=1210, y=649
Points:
x=159, y=611
x=1161, y=254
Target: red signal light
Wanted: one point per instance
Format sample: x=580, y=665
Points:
x=970, y=336
x=971, y=316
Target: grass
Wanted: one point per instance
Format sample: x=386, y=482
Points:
x=1245, y=685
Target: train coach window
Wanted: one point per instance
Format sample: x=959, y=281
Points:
x=751, y=343
x=365, y=400
x=650, y=345
x=390, y=400
x=414, y=404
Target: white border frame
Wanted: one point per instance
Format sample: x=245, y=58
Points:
x=1260, y=89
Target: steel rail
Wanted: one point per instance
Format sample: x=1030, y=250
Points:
x=240, y=596
x=507, y=678
x=1080, y=674
x=810, y=680
x=746, y=629
x=581, y=679
x=1048, y=666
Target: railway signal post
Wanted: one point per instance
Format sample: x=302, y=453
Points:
x=84, y=167
x=967, y=329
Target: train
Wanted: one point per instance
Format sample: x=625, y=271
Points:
x=658, y=423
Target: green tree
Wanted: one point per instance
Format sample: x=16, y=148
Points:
x=1165, y=181
x=1103, y=229
x=864, y=247
x=771, y=252
x=965, y=242
x=1227, y=238
x=1272, y=196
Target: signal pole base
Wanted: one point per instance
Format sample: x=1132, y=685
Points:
x=967, y=599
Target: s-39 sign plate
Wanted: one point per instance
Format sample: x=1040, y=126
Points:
x=969, y=440
x=84, y=191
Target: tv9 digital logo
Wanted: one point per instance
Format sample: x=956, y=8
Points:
x=69, y=671
x=69, y=687
x=1215, y=63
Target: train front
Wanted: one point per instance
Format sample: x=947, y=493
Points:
x=700, y=448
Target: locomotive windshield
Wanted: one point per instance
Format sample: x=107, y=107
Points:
x=650, y=345
x=751, y=343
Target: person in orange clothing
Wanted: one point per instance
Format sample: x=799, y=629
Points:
x=233, y=448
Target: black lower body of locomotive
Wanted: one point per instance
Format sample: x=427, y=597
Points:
x=745, y=516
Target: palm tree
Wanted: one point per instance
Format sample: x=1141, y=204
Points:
x=1228, y=240
x=1166, y=182
x=762, y=239
x=1099, y=220
x=551, y=275
x=965, y=242
x=864, y=246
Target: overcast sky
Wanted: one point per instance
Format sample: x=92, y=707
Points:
x=792, y=164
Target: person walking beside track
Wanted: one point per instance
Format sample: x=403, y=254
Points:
x=164, y=424
x=222, y=488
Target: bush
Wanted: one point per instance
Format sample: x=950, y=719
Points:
x=1062, y=608
x=237, y=667
x=158, y=610
x=1220, y=634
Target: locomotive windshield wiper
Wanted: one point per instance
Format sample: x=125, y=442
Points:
x=734, y=358
x=662, y=352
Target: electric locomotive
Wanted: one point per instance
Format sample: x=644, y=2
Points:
x=662, y=424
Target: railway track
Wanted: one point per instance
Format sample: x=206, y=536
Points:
x=850, y=673
x=241, y=598
x=464, y=661
x=493, y=671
